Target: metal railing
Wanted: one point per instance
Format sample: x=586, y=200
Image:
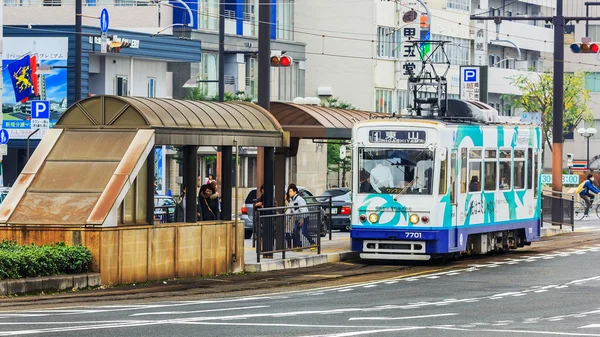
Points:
x=164, y=214
x=564, y=214
x=88, y=3
x=277, y=230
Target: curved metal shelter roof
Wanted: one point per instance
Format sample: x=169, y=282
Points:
x=179, y=122
x=311, y=121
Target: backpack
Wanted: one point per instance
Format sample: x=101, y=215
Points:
x=580, y=188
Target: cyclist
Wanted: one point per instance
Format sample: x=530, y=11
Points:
x=585, y=194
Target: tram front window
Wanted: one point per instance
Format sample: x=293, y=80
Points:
x=394, y=171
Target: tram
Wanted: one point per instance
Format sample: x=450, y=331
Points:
x=430, y=187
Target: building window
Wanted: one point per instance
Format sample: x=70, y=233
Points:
x=388, y=42
x=457, y=50
x=402, y=100
x=288, y=82
x=594, y=32
x=121, y=85
x=209, y=71
x=592, y=82
x=383, y=100
x=251, y=76
x=285, y=20
x=151, y=87
x=208, y=14
x=461, y=5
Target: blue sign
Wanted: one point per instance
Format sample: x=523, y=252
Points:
x=470, y=75
x=400, y=137
x=40, y=109
x=3, y=136
x=104, y=20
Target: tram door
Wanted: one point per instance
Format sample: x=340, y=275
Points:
x=453, y=196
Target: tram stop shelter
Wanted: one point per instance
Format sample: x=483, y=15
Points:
x=90, y=182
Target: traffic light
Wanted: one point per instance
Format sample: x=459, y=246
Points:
x=585, y=48
x=281, y=61
x=115, y=47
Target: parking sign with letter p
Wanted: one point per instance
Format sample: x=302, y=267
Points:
x=40, y=109
x=470, y=75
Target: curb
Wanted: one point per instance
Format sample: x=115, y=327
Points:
x=300, y=262
x=551, y=231
x=46, y=283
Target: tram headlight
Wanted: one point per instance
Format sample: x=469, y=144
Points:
x=373, y=217
x=414, y=219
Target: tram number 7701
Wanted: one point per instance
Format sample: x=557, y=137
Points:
x=413, y=235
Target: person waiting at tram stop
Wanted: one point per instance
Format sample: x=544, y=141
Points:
x=208, y=206
x=585, y=194
x=301, y=223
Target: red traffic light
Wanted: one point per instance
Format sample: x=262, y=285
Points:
x=585, y=48
x=286, y=61
x=281, y=61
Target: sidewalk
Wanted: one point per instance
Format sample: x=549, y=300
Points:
x=338, y=249
x=335, y=250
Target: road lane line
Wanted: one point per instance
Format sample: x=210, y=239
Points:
x=398, y=318
x=367, y=332
x=197, y=311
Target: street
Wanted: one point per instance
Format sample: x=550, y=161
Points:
x=520, y=294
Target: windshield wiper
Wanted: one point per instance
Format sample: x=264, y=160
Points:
x=406, y=188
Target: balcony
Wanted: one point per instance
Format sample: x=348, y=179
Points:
x=524, y=36
x=131, y=14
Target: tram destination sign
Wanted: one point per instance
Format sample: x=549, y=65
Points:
x=397, y=137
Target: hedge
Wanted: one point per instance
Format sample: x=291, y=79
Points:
x=33, y=261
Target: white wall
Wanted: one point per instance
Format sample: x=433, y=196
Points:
x=132, y=18
x=350, y=74
x=142, y=70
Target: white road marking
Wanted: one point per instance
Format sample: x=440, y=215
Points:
x=589, y=326
x=197, y=311
x=366, y=332
x=398, y=318
x=508, y=331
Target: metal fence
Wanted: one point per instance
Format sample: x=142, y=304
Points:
x=284, y=229
x=164, y=214
x=564, y=214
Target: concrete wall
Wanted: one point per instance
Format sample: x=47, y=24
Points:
x=131, y=254
x=311, y=166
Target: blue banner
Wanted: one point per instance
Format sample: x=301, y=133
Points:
x=20, y=75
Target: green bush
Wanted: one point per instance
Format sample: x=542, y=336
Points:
x=32, y=261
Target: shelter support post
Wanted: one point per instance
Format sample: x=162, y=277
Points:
x=260, y=169
x=226, y=182
x=150, y=189
x=190, y=179
x=280, y=187
x=219, y=167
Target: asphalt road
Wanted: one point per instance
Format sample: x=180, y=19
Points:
x=523, y=294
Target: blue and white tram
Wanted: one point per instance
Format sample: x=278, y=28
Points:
x=427, y=188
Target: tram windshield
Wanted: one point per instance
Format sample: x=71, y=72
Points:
x=395, y=171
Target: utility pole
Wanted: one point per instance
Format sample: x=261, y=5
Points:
x=222, y=51
x=78, y=17
x=559, y=22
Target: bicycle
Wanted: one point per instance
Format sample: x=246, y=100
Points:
x=579, y=209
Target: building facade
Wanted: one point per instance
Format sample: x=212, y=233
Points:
x=359, y=54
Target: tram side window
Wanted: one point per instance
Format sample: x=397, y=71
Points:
x=463, y=170
x=475, y=174
x=530, y=167
x=443, y=175
x=505, y=169
x=453, y=176
x=490, y=170
x=536, y=169
x=519, y=170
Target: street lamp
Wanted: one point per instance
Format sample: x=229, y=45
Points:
x=587, y=133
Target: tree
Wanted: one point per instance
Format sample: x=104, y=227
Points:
x=537, y=96
x=201, y=94
x=336, y=103
x=334, y=163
